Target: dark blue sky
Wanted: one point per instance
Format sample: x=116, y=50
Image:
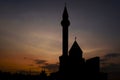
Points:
x=32, y=28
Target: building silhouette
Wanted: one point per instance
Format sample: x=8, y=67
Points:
x=72, y=65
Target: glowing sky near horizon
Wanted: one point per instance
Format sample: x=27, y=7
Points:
x=31, y=33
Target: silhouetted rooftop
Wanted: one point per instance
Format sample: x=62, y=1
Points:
x=75, y=49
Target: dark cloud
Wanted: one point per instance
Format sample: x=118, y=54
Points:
x=110, y=62
x=27, y=58
x=112, y=55
x=38, y=61
x=43, y=64
x=109, y=57
x=112, y=68
x=51, y=67
x=103, y=61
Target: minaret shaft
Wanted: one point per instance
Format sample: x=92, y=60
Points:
x=65, y=41
x=65, y=24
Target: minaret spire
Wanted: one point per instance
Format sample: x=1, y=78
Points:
x=75, y=38
x=65, y=24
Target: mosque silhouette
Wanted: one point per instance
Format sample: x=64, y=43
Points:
x=72, y=65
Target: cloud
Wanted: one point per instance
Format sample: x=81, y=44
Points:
x=51, y=67
x=103, y=61
x=27, y=58
x=44, y=64
x=38, y=61
x=112, y=55
x=110, y=62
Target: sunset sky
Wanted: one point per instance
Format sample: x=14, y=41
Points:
x=31, y=33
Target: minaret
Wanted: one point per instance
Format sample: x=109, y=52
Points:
x=65, y=24
x=63, y=68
